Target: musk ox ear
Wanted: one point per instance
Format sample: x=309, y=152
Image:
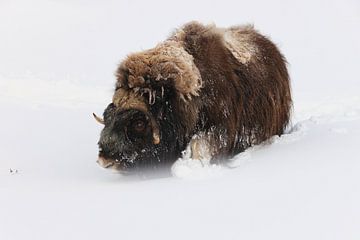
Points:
x=168, y=64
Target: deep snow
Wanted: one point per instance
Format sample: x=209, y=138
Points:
x=57, y=62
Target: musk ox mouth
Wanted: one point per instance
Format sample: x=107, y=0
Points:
x=105, y=163
x=112, y=164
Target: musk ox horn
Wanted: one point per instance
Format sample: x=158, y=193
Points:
x=155, y=129
x=156, y=138
x=98, y=119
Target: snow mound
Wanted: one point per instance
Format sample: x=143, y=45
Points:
x=188, y=168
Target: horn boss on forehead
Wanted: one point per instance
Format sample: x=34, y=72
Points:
x=217, y=90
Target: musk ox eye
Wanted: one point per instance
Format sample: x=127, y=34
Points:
x=139, y=126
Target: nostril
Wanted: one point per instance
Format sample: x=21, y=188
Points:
x=103, y=148
x=107, y=152
x=103, y=152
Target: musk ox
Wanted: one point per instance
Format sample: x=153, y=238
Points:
x=216, y=90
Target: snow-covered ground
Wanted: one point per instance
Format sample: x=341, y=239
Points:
x=57, y=60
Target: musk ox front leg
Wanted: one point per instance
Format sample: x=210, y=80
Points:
x=201, y=147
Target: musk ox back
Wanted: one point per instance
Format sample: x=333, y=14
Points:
x=217, y=90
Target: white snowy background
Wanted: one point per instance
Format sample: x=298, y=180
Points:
x=57, y=59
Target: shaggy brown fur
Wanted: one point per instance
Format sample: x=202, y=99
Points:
x=227, y=87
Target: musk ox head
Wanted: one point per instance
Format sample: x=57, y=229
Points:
x=133, y=137
x=150, y=119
